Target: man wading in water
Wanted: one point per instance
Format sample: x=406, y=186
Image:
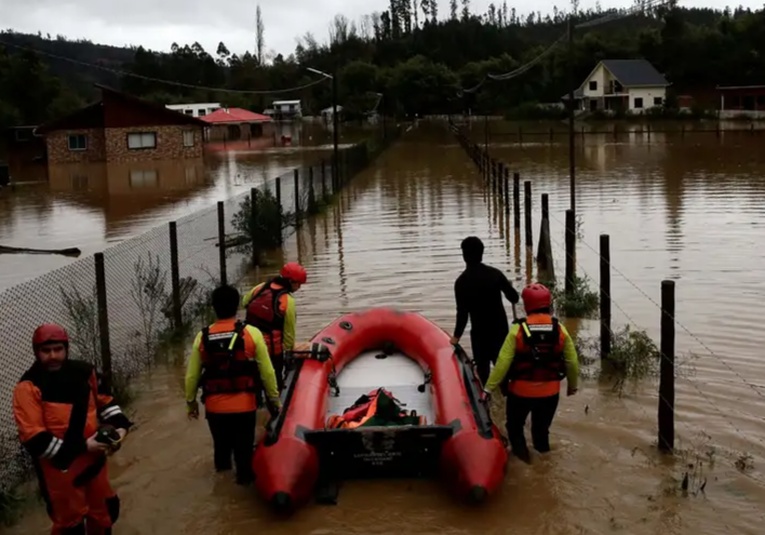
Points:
x=478, y=292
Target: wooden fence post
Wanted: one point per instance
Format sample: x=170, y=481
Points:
x=570, y=243
x=667, y=368
x=175, y=276
x=517, y=200
x=605, y=296
x=222, y=243
x=103, y=322
x=296, y=174
x=254, y=226
x=527, y=212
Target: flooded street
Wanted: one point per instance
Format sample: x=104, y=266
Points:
x=690, y=209
x=93, y=206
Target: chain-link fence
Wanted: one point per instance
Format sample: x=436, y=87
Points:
x=124, y=306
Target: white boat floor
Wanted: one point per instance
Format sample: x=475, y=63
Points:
x=397, y=373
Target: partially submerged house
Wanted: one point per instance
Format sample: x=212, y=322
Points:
x=122, y=128
x=233, y=124
x=742, y=101
x=632, y=85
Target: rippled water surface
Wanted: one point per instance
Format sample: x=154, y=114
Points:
x=691, y=210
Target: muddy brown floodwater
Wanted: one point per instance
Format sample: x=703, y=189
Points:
x=689, y=209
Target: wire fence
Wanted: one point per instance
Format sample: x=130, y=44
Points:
x=505, y=194
x=122, y=307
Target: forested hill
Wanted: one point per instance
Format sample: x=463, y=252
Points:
x=418, y=58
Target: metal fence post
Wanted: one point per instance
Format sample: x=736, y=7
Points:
x=103, y=322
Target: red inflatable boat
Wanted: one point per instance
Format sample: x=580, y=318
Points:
x=450, y=435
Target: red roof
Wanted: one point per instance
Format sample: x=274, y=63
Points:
x=235, y=115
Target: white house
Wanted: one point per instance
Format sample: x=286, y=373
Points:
x=197, y=109
x=285, y=110
x=632, y=85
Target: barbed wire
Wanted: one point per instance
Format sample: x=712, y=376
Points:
x=662, y=356
x=619, y=14
x=662, y=398
x=674, y=318
x=164, y=81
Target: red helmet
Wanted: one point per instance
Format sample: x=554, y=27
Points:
x=49, y=333
x=294, y=272
x=536, y=296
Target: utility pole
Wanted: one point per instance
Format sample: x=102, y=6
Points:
x=334, y=127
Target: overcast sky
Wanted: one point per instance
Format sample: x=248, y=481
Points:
x=156, y=24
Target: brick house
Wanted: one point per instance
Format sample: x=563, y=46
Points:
x=121, y=128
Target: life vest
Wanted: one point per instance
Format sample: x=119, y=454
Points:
x=225, y=367
x=263, y=313
x=538, y=351
x=365, y=408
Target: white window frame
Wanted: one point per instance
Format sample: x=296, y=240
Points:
x=84, y=137
x=188, y=138
x=141, y=140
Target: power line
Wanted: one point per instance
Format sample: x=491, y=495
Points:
x=619, y=14
x=160, y=80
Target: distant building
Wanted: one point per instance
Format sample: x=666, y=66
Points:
x=632, y=85
x=122, y=128
x=196, y=109
x=742, y=101
x=285, y=110
x=326, y=114
x=232, y=124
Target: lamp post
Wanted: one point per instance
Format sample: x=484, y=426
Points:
x=334, y=121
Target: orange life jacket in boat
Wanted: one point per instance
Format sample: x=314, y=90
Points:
x=361, y=411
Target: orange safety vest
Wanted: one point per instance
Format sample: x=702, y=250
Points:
x=539, y=356
x=263, y=312
x=225, y=366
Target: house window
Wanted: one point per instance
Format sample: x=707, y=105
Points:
x=78, y=142
x=142, y=140
x=638, y=102
x=594, y=85
x=202, y=112
x=188, y=138
x=188, y=112
x=658, y=101
x=143, y=178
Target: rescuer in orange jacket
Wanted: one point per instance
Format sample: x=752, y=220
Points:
x=537, y=354
x=271, y=308
x=229, y=360
x=58, y=405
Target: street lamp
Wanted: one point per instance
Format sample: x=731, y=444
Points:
x=334, y=123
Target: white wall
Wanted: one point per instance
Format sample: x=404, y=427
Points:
x=195, y=108
x=647, y=94
x=601, y=76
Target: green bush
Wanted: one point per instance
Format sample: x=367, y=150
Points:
x=582, y=302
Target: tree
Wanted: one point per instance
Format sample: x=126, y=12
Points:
x=260, y=42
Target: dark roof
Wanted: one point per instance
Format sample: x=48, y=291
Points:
x=578, y=93
x=635, y=72
x=92, y=116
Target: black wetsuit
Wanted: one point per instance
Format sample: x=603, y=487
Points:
x=478, y=292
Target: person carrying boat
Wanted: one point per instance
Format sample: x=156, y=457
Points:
x=478, y=292
x=69, y=423
x=537, y=355
x=230, y=362
x=271, y=308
